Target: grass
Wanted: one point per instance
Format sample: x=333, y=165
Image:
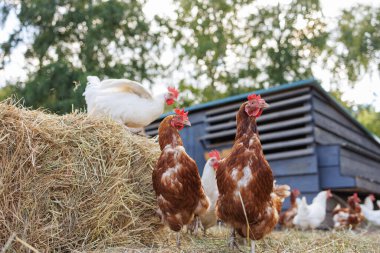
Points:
x=344, y=241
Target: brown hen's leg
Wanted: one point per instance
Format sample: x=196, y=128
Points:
x=232, y=240
x=138, y=131
x=196, y=225
x=252, y=246
x=178, y=239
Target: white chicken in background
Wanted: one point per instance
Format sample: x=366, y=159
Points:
x=125, y=101
x=339, y=216
x=312, y=216
x=210, y=187
x=368, y=202
x=378, y=204
x=372, y=216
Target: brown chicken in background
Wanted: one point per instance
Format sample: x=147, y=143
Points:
x=350, y=216
x=249, y=201
x=176, y=179
x=286, y=217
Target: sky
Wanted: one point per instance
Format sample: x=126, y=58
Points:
x=366, y=91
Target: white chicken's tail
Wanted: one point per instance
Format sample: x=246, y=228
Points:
x=303, y=207
x=298, y=201
x=93, y=80
x=302, y=213
x=91, y=92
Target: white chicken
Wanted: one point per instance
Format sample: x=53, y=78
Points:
x=368, y=202
x=210, y=187
x=378, y=204
x=372, y=216
x=312, y=216
x=125, y=101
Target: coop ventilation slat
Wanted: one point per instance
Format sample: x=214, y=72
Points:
x=263, y=137
x=290, y=154
x=285, y=127
x=264, y=127
x=292, y=143
x=268, y=98
x=272, y=115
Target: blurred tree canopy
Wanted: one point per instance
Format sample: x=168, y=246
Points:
x=358, y=42
x=369, y=117
x=365, y=114
x=222, y=47
x=68, y=40
x=234, y=52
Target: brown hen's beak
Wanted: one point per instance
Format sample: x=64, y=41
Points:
x=265, y=105
x=187, y=123
x=216, y=165
x=329, y=194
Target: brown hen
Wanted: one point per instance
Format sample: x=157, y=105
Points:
x=248, y=200
x=286, y=217
x=350, y=216
x=176, y=179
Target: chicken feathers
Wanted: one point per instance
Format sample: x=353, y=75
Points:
x=125, y=101
x=176, y=180
x=247, y=193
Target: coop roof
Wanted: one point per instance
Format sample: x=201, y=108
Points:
x=283, y=87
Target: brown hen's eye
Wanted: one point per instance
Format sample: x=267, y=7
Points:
x=176, y=123
x=252, y=109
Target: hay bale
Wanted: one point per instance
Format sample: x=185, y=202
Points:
x=73, y=183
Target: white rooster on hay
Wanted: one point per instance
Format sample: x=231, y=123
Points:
x=125, y=101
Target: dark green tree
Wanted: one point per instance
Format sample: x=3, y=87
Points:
x=236, y=46
x=69, y=40
x=357, y=46
x=369, y=117
x=203, y=33
x=283, y=42
x=366, y=114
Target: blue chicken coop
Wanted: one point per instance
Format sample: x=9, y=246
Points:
x=310, y=141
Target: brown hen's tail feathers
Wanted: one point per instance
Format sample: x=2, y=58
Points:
x=203, y=205
x=282, y=191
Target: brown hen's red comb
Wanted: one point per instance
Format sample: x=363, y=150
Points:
x=356, y=197
x=181, y=112
x=254, y=97
x=215, y=154
x=296, y=191
x=174, y=91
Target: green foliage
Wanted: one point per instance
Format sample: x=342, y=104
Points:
x=224, y=47
x=337, y=94
x=73, y=39
x=7, y=91
x=284, y=41
x=48, y=88
x=358, y=41
x=369, y=117
x=270, y=45
x=204, y=31
x=365, y=114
